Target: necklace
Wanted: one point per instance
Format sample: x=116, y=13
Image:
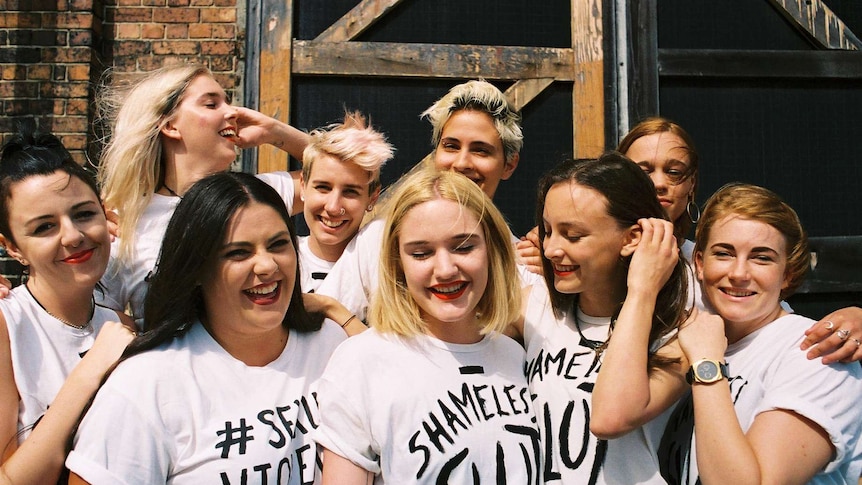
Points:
x=67, y=322
x=597, y=346
x=171, y=191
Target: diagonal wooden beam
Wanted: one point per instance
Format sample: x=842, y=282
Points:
x=525, y=90
x=821, y=24
x=430, y=61
x=357, y=20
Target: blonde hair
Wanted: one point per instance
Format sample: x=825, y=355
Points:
x=393, y=309
x=484, y=97
x=353, y=140
x=761, y=205
x=130, y=167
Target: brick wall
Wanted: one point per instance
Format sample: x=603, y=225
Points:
x=54, y=53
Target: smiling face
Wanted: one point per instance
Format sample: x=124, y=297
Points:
x=584, y=244
x=470, y=144
x=662, y=157
x=248, y=288
x=445, y=262
x=743, y=270
x=204, y=125
x=59, y=229
x=334, y=187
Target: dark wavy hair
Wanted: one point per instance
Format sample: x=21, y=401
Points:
x=630, y=196
x=195, y=233
x=30, y=152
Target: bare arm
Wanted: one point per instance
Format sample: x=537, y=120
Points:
x=780, y=447
x=529, y=251
x=823, y=339
x=627, y=394
x=334, y=311
x=338, y=470
x=40, y=457
x=8, y=396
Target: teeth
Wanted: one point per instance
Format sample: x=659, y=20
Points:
x=448, y=289
x=732, y=292
x=563, y=269
x=263, y=289
x=332, y=224
x=227, y=132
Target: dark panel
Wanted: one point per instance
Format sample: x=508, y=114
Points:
x=824, y=64
x=799, y=139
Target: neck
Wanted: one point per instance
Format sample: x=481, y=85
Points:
x=252, y=350
x=327, y=252
x=72, y=304
x=603, y=301
x=736, y=331
x=180, y=174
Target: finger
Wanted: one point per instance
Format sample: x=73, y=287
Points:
x=817, y=333
x=843, y=352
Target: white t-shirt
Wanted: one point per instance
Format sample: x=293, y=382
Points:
x=561, y=371
x=353, y=279
x=126, y=284
x=312, y=269
x=44, y=351
x=768, y=371
x=420, y=410
x=189, y=413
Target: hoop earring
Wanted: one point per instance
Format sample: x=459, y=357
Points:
x=688, y=208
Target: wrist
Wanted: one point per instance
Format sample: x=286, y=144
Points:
x=707, y=371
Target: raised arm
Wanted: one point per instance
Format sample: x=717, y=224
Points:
x=780, y=446
x=40, y=457
x=627, y=393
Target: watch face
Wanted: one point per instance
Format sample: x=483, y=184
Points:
x=707, y=371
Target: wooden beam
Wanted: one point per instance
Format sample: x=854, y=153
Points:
x=821, y=25
x=429, y=61
x=357, y=20
x=525, y=90
x=760, y=64
x=588, y=111
x=275, y=72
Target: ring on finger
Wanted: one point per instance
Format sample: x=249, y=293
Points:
x=829, y=326
x=843, y=334
x=858, y=342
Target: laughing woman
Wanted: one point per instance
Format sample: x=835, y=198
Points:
x=51, y=221
x=432, y=393
x=221, y=387
x=770, y=416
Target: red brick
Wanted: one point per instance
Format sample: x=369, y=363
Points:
x=178, y=3
x=127, y=31
x=59, y=73
x=40, y=71
x=222, y=63
x=224, y=31
x=177, y=15
x=74, y=142
x=76, y=107
x=227, y=81
x=19, y=55
x=64, y=90
x=80, y=38
x=225, y=3
x=177, y=31
x=67, y=54
x=78, y=72
x=200, y=31
x=20, y=20
x=218, y=48
x=155, y=3
x=202, y=3
x=74, y=20
x=79, y=156
x=129, y=3
x=80, y=4
x=13, y=72
x=131, y=48
x=67, y=124
x=153, y=31
x=58, y=107
x=19, y=89
x=218, y=15
x=176, y=47
x=130, y=14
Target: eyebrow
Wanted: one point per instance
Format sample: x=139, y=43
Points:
x=51, y=216
x=461, y=238
x=756, y=249
x=272, y=239
x=349, y=186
